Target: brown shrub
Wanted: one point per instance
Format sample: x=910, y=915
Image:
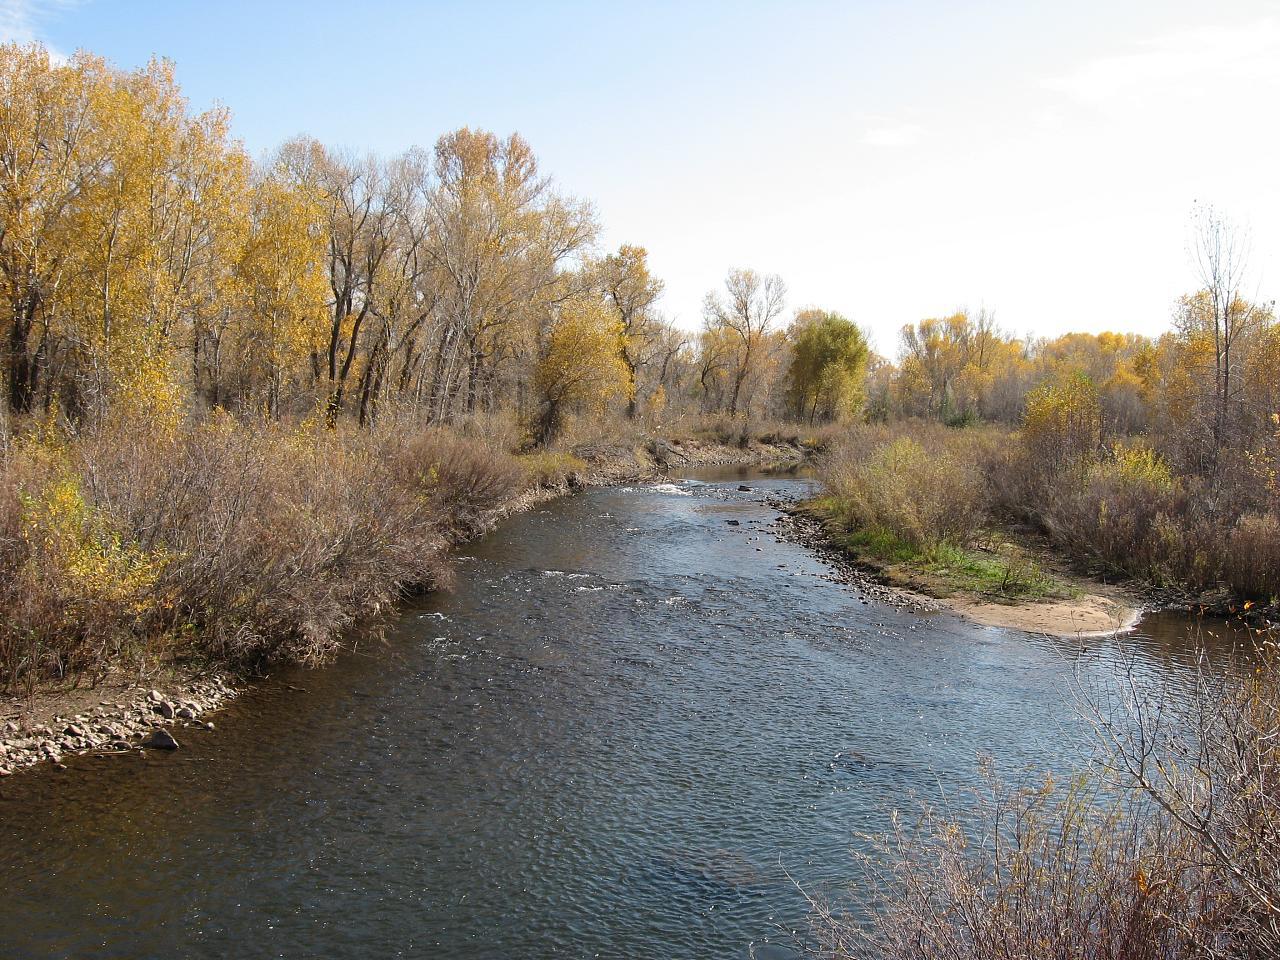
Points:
x=225, y=541
x=1168, y=849
x=922, y=485
x=1031, y=872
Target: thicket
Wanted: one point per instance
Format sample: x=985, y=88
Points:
x=229, y=542
x=1117, y=506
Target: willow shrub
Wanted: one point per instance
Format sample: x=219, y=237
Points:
x=923, y=488
x=223, y=541
x=1126, y=511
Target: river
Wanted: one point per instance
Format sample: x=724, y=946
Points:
x=631, y=730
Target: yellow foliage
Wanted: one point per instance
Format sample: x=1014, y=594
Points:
x=581, y=364
x=84, y=549
x=1137, y=467
x=1063, y=421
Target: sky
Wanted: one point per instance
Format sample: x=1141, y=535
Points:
x=890, y=160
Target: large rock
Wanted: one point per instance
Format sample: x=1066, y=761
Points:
x=664, y=453
x=160, y=740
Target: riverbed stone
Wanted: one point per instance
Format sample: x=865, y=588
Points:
x=160, y=739
x=165, y=709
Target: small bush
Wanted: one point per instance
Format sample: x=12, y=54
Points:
x=923, y=497
x=552, y=468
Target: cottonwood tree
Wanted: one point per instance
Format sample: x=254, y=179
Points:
x=751, y=307
x=284, y=280
x=828, y=366
x=358, y=232
x=580, y=364
x=119, y=209
x=500, y=237
x=51, y=148
x=632, y=291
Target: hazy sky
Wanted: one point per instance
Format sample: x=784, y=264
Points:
x=891, y=160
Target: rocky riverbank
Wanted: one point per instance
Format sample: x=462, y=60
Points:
x=107, y=719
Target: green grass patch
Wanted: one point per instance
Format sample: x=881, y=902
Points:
x=881, y=545
x=1006, y=573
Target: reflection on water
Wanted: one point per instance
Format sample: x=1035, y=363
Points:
x=625, y=730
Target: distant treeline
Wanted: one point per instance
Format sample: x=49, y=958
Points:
x=148, y=265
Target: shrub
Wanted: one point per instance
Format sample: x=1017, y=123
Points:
x=461, y=480
x=1044, y=871
x=552, y=468
x=225, y=541
x=1168, y=849
x=924, y=497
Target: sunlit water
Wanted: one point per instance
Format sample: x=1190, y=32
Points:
x=631, y=731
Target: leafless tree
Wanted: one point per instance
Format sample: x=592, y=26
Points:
x=752, y=308
x=1220, y=250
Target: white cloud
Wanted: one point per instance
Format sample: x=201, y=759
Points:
x=893, y=135
x=1187, y=63
x=20, y=21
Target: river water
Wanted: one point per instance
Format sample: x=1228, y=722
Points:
x=633, y=730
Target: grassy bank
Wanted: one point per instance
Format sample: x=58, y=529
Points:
x=995, y=569
x=912, y=507
x=948, y=510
